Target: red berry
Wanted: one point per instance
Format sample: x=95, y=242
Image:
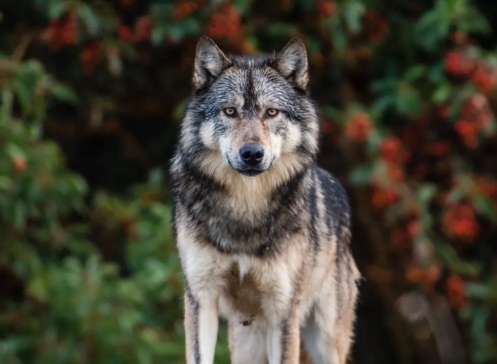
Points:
x=392, y=151
x=358, y=128
x=327, y=8
x=143, y=28
x=124, y=33
x=455, y=292
x=460, y=222
x=19, y=164
x=456, y=64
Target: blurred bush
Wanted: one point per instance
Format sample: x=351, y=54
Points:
x=91, y=95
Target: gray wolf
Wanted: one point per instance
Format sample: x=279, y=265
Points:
x=262, y=232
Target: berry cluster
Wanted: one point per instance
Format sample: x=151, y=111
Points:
x=141, y=31
x=226, y=23
x=475, y=116
x=358, y=128
x=62, y=32
x=385, y=182
x=375, y=26
x=427, y=276
x=459, y=222
x=327, y=8
x=455, y=292
x=457, y=64
x=90, y=57
x=402, y=236
x=463, y=63
x=393, y=151
x=383, y=197
x=486, y=187
x=184, y=8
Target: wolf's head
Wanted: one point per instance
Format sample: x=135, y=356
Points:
x=250, y=114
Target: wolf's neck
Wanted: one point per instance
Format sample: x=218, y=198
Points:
x=243, y=197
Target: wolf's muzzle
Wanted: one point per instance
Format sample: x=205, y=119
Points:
x=252, y=155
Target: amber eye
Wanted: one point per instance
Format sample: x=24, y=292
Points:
x=272, y=112
x=230, y=111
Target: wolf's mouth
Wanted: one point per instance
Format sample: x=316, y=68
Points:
x=250, y=172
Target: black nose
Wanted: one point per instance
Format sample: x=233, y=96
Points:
x=252, y=154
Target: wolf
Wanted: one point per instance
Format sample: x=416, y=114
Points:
x=262, y=232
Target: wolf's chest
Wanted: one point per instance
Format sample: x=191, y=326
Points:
x=248, y=284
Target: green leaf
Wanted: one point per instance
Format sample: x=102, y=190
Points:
x=431, y=28
x=89, y=18
x=56, y=9
x=334, y=114
x=414, y=73
x=14, y=151
x=408, y=100
x=352, y=12
x=425, y=194
x=24, y=93
x=280, y=29
x=374, y=141
x=179, y=110
x=338, y=36
x=485, y=207
x=442, y=93
x=242, y=5
x=361, y=175
x=382, y=104
x=65, y=93
x=19, y=215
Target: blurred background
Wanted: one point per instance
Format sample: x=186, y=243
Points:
x=91, y=96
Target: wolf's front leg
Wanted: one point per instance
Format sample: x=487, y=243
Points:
x=201, y=325
x=205, y=270
x=283, y=340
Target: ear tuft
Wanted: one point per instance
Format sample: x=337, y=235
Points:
x=291, y=63
x=210, y=61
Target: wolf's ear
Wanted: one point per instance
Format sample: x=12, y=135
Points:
x=209, y=63
x=291, y=62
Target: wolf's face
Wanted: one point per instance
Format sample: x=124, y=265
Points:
x=251, y=112
x=249, y=118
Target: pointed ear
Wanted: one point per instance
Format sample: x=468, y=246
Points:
x=291, y=62
x=209, y=63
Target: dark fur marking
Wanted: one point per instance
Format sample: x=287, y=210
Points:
x=336, y=203
x=284, y=339
x=250, y=105
x=313, y=211
x=262, y=250
x=280, y=130
x=196, y=309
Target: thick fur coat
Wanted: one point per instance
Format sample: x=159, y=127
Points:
x=263, y=233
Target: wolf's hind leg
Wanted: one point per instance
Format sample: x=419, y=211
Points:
x=328, y=332
x=247, y=344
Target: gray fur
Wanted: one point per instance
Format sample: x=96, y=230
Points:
x=238, y=226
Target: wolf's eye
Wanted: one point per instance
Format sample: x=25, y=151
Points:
x=230, y=111
x=272, y=112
